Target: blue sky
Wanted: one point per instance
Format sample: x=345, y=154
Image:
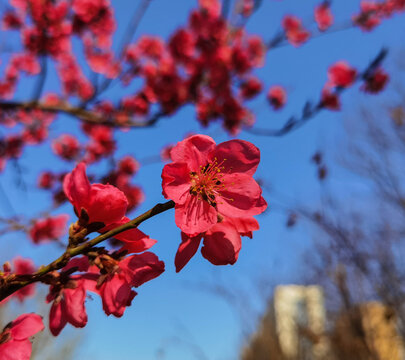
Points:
x=178, y=312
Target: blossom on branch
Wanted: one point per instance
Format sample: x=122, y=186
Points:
x=14, y=340
x=51, y=228
x=206, y=180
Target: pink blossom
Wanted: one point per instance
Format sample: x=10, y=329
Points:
x=14, y=340
x=103, y=203
x=49, y=229
x=341, y=74
x=222, y=242
x=205, y=180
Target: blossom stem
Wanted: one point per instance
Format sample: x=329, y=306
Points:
x=16, y=282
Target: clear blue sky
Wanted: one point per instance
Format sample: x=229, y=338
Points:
x=179, y=306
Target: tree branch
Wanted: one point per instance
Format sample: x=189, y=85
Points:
x=309, y=110
x=14, y=282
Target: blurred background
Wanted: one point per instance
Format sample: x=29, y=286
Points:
x=324, y=276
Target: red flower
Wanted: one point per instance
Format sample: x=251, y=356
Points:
x=103, y=203
x=330, y=100
x=68, y=306
x=251, y=87
x=222, y=242
x=205, y=180
x=341, y=74
x=294, y=31
x=135, y=241
x=376, y=82
x=128, y=165
x=46, y=180
x=323, y=16
x=277, y=97
x=48, y=229
x=115, y=290
x=14, y=340
x=66, y=146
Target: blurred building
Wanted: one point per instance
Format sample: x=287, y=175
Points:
x=300, y=321
x=368, y=330
x=294, y=328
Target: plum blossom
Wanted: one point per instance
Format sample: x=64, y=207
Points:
x=48, y=229
x=222, y=242
x=341, y=74
x=14, y=340
x=206, y=180
x=277, y=97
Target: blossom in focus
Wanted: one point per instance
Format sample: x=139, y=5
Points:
x=14, y=340
x=103, y=203
x=341, y=74
x=48, y=229
x=221, y=243
x=67, y=306
x=206, y=180
x=116, y=287
x=277, y=97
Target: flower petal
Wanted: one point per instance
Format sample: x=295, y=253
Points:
x=237, y=156
x=193, y=151
x=187, y=249
x=195, y=216
x=244, y=226
x=107, y=204
x=57, y=318
x=241, y=197
x=16, y=350
x=176, y=182
x=74, y=306
x=222, y=244
x=139, y=269
x=76, y=185
x=26, y=325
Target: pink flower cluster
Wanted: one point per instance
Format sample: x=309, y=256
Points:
x=215, y=194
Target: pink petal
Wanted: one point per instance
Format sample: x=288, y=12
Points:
x=193, y=151
x=222, y=244
x=16, y=350
x=139, y=269
x=26, y=325
x=76, y=185
x=135, y=240
x=241, y=197
x=116, y=295
x=237, y=156
x=57, y=318
x=107, y=204
x=187, y=249
x=74, y=306
x=195, y=216
x=176, y=182
x=244, y=226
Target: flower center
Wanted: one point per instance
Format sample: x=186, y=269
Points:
x=208, y=181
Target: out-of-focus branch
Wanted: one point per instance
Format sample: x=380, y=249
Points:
x=310, y=110
x=78, y=112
